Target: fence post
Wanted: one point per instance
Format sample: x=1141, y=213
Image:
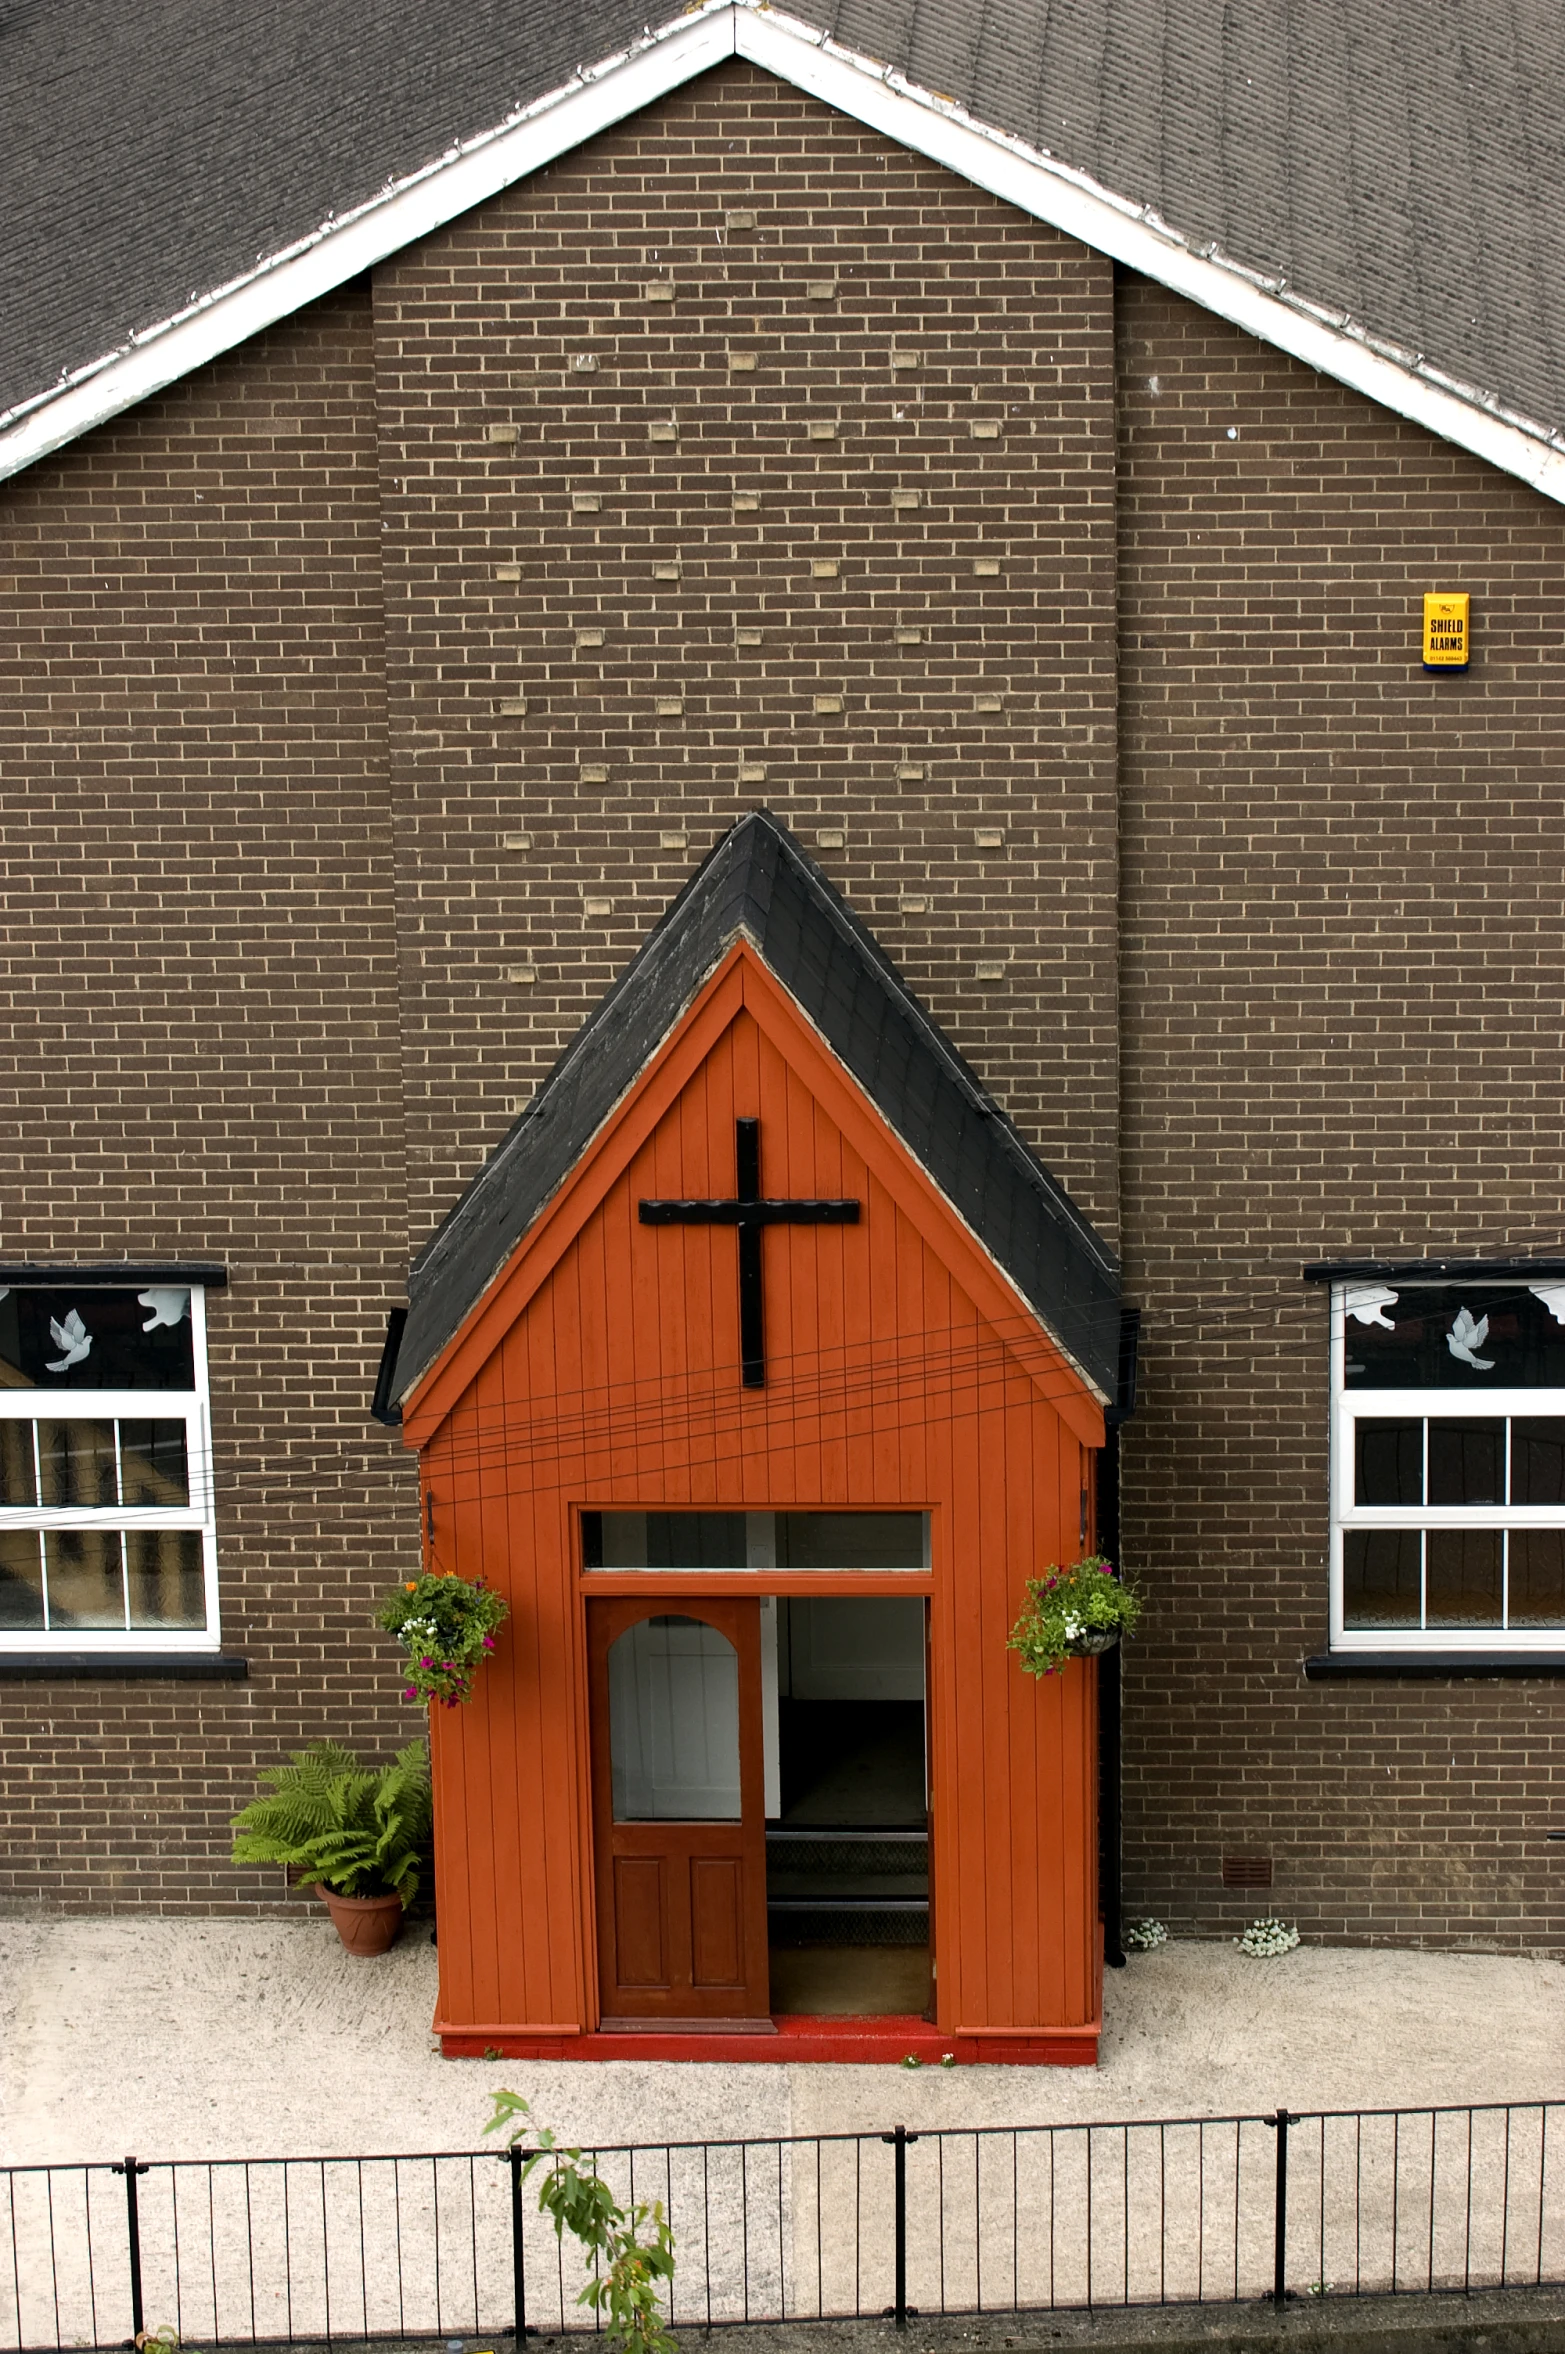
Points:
x=138, y=2320
x=900, y=2308
x=518, y=2269
x=1280, y=2124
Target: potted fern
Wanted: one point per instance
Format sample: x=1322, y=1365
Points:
x=359, y=1833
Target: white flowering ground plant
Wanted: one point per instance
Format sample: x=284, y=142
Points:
x=1070, y=1612
x=446, y=1626
x=1146, y=1936
x=1268, y=1936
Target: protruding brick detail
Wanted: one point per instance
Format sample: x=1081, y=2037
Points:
x=778, y=662
x=287, y=968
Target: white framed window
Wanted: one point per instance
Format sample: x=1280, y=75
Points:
x=107, y=1530
x=1448, y=1466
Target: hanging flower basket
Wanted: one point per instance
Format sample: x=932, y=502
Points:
x=1075, y=1613
x=446, y=1627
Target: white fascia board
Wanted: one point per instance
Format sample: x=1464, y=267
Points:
x=870, y=92
x=878, y=96
x=340, y=249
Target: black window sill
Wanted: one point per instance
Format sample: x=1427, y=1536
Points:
x=184, y=1667
x=1330, y=1666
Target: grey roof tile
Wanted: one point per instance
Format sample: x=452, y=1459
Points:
x=759, y=882
x=1401, y=163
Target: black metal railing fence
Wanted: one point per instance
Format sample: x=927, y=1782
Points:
x=813, y=2227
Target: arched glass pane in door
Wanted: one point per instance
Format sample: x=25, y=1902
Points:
x=674, y=1723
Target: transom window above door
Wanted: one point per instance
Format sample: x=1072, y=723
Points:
x=1448, y=1466
x=107, y=1536
x=790, y=1541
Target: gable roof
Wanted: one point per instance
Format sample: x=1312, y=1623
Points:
x=1377, y=191
x=759, y=885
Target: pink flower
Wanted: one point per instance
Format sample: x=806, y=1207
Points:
x=426, y=1663
x=488, y=1642
x=410, y=1691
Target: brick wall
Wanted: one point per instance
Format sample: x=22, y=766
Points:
x=200, y=1053
x=329, y=817
x=1344, y=958
x=694, y=536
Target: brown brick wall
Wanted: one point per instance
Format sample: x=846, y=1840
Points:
x=1343, y=963
x=534, y=314
x=200, y=1056
x=277, y=861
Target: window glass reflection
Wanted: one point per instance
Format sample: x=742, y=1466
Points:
x=1466, y=1462
x=1538, y=1460
x=85, y=1574
x=21, y=1581
x=674, y=1723
x=165, y=1577
x=1381, y=1581
x=1536, y=1580
x=755, y=1540
x=76, y=1466
x=1389, y=1468
x=97, y=1340
x=18, y=1472
x=1462, y=1578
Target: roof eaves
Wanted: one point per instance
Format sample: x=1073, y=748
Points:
x=870, y=91
x=1039, y=183
x=344, y=245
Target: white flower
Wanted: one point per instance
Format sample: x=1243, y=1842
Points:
x=1267, y=1937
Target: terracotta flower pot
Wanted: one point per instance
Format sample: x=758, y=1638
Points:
x=366, y=1924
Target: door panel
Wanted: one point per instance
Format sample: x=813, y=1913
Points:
x=716, y=1921
x=638, y=1920
x=679, y=1820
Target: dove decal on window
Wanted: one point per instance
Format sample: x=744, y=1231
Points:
x=73, y=1337
x=1369, y=1302
x=1552, y=1295
x=168, y=1308
x=1465, y=1337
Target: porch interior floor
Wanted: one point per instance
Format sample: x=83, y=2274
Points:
x=850, y=1981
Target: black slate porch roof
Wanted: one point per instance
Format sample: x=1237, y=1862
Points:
x=759, y=884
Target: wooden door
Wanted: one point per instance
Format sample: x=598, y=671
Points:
x=679, y=1820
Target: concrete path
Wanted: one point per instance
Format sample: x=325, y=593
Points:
x=181, y=2038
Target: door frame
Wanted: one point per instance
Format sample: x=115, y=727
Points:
x=738, y=1620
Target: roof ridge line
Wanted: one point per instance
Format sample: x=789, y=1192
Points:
x=866, y=89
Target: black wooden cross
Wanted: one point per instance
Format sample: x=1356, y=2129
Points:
x=750, y=1213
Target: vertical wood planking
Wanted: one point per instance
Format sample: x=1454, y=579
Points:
x=617, y=1383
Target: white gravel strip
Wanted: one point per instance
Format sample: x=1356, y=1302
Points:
x=181, y=2038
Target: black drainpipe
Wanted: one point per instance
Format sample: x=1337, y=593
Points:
x=1111, y=1805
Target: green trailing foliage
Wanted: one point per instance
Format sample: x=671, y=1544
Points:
x=1071, y=1612
x=631, y=2250
x=447, y=1627
x=359, y=1830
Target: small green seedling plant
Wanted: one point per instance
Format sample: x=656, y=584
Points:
x=1146, y=1936
x=631, y=2249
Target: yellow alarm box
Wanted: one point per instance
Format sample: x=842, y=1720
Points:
x=1446, y=632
